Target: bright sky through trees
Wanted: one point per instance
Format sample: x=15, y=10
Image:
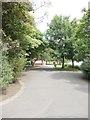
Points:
x=71, y=8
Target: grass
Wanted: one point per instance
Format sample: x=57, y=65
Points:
x=58, y=66
x=68, y=68
x=50, y=63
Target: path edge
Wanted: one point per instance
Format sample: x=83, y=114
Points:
x=16, y=95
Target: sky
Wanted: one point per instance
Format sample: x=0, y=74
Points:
x=71, y=8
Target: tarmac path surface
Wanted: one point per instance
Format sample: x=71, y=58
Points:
x=50, y=93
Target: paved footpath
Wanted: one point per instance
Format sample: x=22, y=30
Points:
x=49, y=93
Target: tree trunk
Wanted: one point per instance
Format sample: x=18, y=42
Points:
x=72, y=63
x=62, y=61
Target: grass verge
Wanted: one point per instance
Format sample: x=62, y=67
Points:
x=68, y=68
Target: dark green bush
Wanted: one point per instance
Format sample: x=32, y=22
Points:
x=66, y=65
x=18, y=64
x=85, y=67
x=6, y=73
x=77, y=67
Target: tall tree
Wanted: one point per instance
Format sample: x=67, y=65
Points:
x=83, y=42
x=58, y=33
x=83, y=37
x=70, y=43
x=21, y=33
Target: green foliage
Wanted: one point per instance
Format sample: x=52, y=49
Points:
x=81, y=49
x=37, y=49
x=6, y=72
x=48, y=54
x=20, y=35
x=70, y=39
x=83, y=42
x=18, y=64
x=58, y=35
x=70, y=43
x=85, y=67
x=82, y=36
x=15, y=20
x=65, y=39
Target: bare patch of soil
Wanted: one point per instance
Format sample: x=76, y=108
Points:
x=11, y=91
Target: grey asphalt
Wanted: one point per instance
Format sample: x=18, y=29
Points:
x=50, y=93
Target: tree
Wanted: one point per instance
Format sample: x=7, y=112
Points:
x=48, y=54
x=14, y=19
x=83, y=42
x=57, y=35
x=38, y=51
x=21, y=34
x=70, y=43
x=83, y=37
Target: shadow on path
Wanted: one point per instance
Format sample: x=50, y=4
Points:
x=74, y=78
x=70, y=77
x=41, y=69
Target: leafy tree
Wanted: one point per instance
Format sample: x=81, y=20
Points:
x=70, y=43
x=21, y=34
x=37, y=50
x=15, y=16
x=83, y=36
x=83, y=42
x=57, y=34
x=48, y=54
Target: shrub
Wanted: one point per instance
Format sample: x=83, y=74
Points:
x=77, y=67
x=66, y=65
x=6, y=73
x=85, y=67
x=18, y=64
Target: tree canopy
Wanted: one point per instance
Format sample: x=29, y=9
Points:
x=21, y=36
